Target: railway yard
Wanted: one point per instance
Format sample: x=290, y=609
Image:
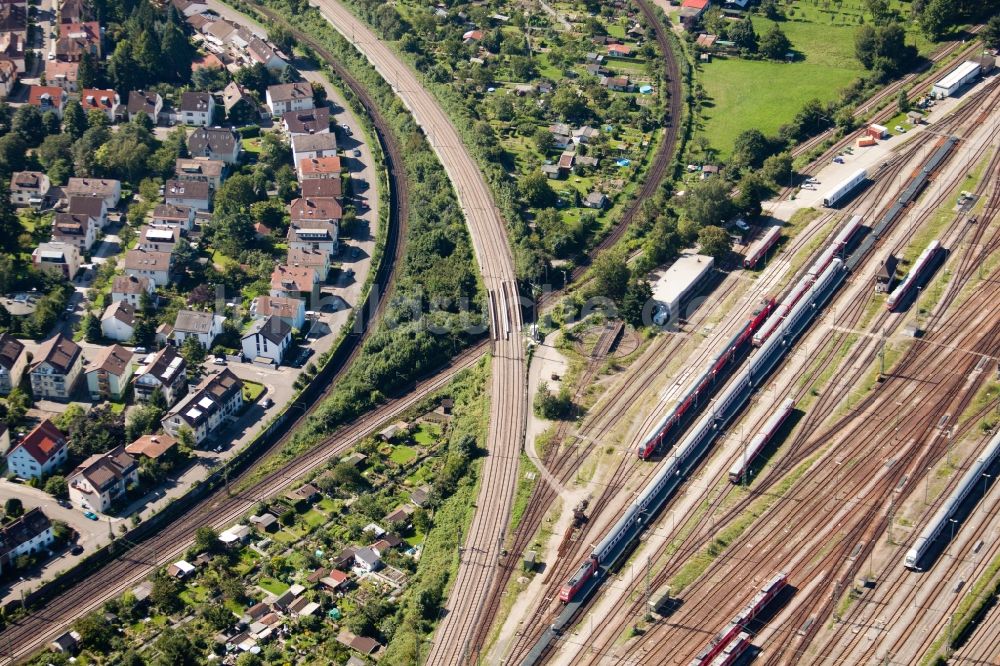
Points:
x=796, y=462
x=822, y=493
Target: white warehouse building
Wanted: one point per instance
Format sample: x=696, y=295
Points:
x=955, y=79
x=673, y=285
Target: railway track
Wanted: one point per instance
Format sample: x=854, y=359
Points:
x=218, y=509
x=807, y=384
x=508, y=380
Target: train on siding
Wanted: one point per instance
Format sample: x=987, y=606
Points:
x=973, y=478
x=732, y=631
x=741, y=467
x=702, y=388
x=916, y=277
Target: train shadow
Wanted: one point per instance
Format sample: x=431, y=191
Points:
x=772, y=609
x=771, y=447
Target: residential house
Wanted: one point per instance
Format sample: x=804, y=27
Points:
x=164, y=372
x=190, y=7
x=74, y=11
x=159, y=239
x=192, y=193
x=241, y=38
x=313, y=235
x=699, y=6
x=595, y=200
x=217, y=143
x=153, y=265
x=217, y=400
x=130, y=288
x=234, y=537
x=292, y=282
x=385, y=544
x=200, y=169
x=319, y=167
x=286, y=97
x=108, y=189
x=585, y=134
x=153, y=447
x=202, y=326
x=307, y=146
x=109, y=374
x=335, y=581
x=26, y=535
x=310, y=121
x=118, y=321
x=48, y=98
x=366, y=560
x=265, y=522
x=318, y=260
x=60, y=258
x=565, y=162
x=267, y=339
x=74, y=229
x=472, y=36
x=12, y=362
x=141, y=101
x=552, y=171
x=400, y=516
x=321, y=187
x=102, y=479
x=173, y=216
x=219, y=33
x=241, y=109
x=305, y=211
x=40, y=453
x=106, y=101
x=619, y=51
x=77, y=40
x=67, y=643
x=12, y=47
x=29, y=188
x=290, y=310
x=62, y=74
x=94, y=207
x=262, y=53
x=197, y=108
x=616, y=83
x=180, y=569
x=56, y=369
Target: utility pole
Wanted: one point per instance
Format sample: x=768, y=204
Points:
x=881, y=356
x=892, y=517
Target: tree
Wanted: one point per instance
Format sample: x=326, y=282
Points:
x=206, y=539
x=166, y=593
x=13, y=151
x=175, y=649
x=750, y=149
x=883, y=49
x=708, y=203
x=902, y=102
x=13, y=508
x=10, y=224
x=74, y=120
x=611, y=275
x=192, y=351
x=55, y=147
x=125, y=154
x=95, y=632
x=934, y=18
x=88, y=74
x=536, y=191
x=233, y=233
x=235, y=195
x=777, y=169
x=177, y=54
x=991, y=33
x=567, y=103
x=218, y=616
x=881, y=11
x=96, y=431
x=637, y=294
x=124, y=72
x=51, y=123
x=281, y=37
x=27, y=124
x=549, y=405
x=742, y=34
x=92, y=328
x=55, y=485
x=544, y=140
x=775, y=44
x=714, y=241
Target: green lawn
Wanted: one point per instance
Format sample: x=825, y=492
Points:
x=272, y=585
x=402, y=454
x=326, y=504
x=426, y=435
x=313, y=518
x=764, y=95
x=252, y=390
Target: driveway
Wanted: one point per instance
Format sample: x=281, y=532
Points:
x=92, y=534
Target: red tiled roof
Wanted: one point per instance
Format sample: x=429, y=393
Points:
x=44, y=442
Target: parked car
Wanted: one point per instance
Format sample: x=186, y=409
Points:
x=219, y=360
x=267, y=403
x=356, y=152
x=90, y=515
x=76, y=550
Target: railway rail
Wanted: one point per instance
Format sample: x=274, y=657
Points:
x=25, y=636
x=807, y=383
